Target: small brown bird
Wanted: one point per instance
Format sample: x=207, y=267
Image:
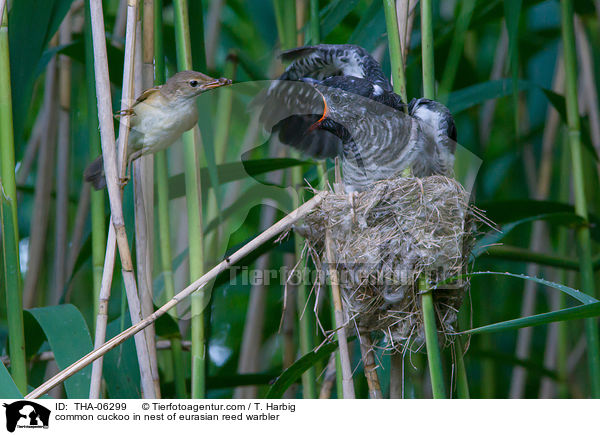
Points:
x=159, y=117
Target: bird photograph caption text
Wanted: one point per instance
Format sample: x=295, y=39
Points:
x=146, y=411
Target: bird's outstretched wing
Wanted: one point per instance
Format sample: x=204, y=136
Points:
x=290, y=106
x=330, y=60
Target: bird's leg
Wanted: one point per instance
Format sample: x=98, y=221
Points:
x=124, y=180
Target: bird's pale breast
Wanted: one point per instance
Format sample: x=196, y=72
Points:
x=155, y=127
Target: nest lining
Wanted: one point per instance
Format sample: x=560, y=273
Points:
x=383, y=240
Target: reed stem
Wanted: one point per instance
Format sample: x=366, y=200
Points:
x=194, y=210
x=582, y=233
x=427, y=49
x=315, y=24
x=367, y=352
x=38, y=228
x=164, y=224
x=287, y=9
x=10, y=228
x=62, y=165
x=117, y=233
x=340, y=323
x=97, y=196
x=396, y=57
x=434, y=355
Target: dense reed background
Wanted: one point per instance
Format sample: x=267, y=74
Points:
x=521, y=78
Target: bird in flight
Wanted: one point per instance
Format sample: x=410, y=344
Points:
x=334, y=100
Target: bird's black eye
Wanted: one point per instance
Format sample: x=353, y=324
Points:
x=193, y=83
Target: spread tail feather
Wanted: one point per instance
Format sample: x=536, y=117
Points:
x=94, y=173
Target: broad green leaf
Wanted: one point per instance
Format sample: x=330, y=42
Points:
x=166, y=327
x=590, y=307
x=120, y=369
x=69, y=339
x=580, y=312
x=226, y=276
x=31, y=25
x=8, y=389
x=515, y=210
x=228, y=172
x=334, y=13
x=76, y=51
x=576, y=294
x=295, y=371
x=494, y=236
x=254, y=195
x=468, y=97
x=370, y=28
x=35, y=335
x=558, y=102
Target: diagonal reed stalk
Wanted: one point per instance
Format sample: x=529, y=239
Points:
x=10, y=229
x=583, y=232
x=117, y=233
x=164, y=226
x=194, y=211
x=279, y=227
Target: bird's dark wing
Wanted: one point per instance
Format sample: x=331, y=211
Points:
x=289, y=110
x=363, y=88
x=294, y=109
x=304, y=134
x=329, y=60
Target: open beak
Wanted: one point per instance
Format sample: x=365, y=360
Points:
x=323, y=116
x=216, y=83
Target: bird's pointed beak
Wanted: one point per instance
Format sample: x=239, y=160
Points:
x=215, y=83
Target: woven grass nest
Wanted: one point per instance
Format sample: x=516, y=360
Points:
x=383, y=240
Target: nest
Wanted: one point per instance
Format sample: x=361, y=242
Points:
x=384, y=239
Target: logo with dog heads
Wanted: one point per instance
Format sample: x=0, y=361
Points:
x=26, y=415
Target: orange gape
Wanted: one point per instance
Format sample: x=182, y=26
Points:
x=325, y=113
